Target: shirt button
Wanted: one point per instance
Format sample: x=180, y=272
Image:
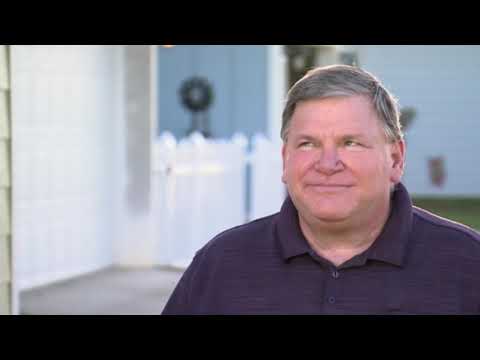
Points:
x=331, y=300
x=335, y=274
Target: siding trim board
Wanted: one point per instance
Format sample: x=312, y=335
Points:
x=6, y=293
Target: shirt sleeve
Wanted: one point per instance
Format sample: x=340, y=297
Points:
x=179, y=302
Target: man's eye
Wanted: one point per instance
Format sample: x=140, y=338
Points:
x=306, y=145
x=351, y=143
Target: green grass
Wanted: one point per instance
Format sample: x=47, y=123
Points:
x=466, y=211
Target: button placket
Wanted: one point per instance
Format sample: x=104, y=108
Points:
x=331, y=290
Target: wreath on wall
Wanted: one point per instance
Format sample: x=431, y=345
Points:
x=196, y=94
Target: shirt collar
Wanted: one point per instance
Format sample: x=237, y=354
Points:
x=288, y=232
x=390, y=246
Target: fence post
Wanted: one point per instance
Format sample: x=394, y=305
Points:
x=163, y=197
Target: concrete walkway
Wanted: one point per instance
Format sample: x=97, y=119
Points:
x=108, y=292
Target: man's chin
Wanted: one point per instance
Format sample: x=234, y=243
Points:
x=331, y=216
x=332, y=219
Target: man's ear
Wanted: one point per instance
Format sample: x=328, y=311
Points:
x=284, y=159
x=397, y=153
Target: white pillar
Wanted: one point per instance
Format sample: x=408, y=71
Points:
x=276, y=89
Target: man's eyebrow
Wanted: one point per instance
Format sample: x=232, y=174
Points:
x=353, y=136
x=304, y=137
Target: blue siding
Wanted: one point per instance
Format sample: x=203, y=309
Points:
x=443, y=84
x=238, y=75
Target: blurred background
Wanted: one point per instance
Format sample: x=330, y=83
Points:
x=117, y=163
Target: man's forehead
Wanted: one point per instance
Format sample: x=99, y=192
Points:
x=356, y=116
x=318, y=124
x=337, y=102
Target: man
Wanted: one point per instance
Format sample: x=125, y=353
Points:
x=347, y=239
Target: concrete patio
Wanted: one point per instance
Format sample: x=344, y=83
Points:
x=112, y=291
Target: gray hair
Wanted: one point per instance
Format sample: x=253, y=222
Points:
x=344, y=80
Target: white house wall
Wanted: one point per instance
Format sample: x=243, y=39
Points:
x=64, y=112
x=442, y=83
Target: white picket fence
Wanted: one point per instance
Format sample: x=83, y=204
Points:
x=199, y=190
x=267, y=190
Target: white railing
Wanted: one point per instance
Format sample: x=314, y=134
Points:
x=199, y=189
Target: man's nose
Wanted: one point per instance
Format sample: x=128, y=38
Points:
x=328, y=161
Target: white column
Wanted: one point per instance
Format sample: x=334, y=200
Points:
x=276, y=89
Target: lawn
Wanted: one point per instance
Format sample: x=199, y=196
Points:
x=466, y=211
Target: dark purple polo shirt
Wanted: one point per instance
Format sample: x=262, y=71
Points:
x=419, y=264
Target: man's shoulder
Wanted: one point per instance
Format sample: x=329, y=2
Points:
x=249, y=234
x=437, y=228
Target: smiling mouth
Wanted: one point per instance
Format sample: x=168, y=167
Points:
x=329, y=187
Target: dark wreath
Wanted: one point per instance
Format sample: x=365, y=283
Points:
x=196, y=94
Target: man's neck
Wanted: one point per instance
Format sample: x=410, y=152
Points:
x=338, y=243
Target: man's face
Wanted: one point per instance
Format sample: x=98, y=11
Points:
x=337, y=163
